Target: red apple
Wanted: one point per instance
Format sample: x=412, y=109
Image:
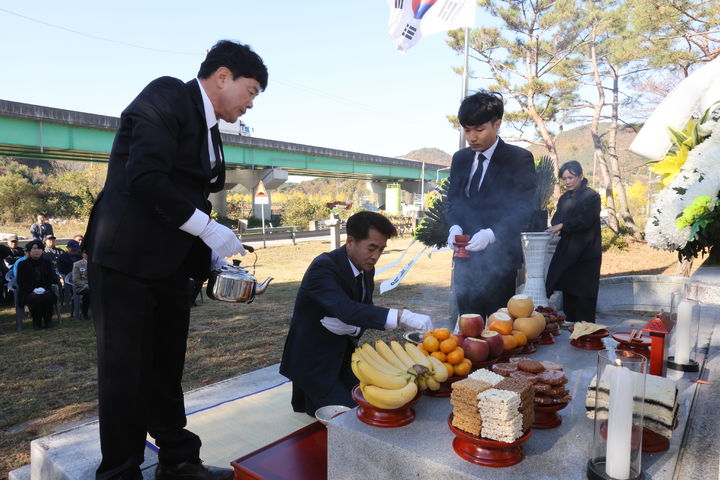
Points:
x=476, y=349
x=459, y=338
x=495, y=342
x=471, y=324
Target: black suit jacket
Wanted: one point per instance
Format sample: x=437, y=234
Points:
x=159, y=173
x=503, y=204
x=313, y=356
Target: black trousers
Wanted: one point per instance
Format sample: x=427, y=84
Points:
x=141, y=328
x=481, y=287
x=41, y=308
x=579, y=309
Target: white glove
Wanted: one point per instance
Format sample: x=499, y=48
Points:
x=481, y=240
x=454, y=230
x=416, y=321
x=221, y=240
x=39, y=290
x=339, y=327
x=216, y=261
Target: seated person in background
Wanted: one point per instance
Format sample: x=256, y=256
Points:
x=332, y=309
x=41, y=229
x=11, y=252
x=79, y=238
x=66, y=259
x=18, y=262
x=52, y=252
x=80, y=279
x=35, y=277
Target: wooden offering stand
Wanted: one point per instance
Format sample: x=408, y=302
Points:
x=381, y=417
x=485, y=452
x=651, y=442
x=590, y=342
x=546, y=416
x=636, y=344
x=546, y=338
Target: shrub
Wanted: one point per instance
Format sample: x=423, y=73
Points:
x=300, y=211
x=613, y=240
x=19, y=198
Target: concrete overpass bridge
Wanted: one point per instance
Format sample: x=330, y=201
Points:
x=45, y=133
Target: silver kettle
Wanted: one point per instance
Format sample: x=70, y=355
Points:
x=234, y=284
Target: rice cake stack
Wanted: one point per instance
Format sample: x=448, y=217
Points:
x=501, y=417
x=463, y=398
x=660, y=407
x=527, y=395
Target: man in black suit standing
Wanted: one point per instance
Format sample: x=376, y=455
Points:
x=166, y=160
x=492, y=187
x=332, y=309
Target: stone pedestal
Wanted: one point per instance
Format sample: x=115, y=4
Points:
x=535, y=253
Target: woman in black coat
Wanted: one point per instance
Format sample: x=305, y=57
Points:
x=35, y=277
x=575, y=266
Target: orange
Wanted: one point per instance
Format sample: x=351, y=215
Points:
x=520, y=337
x=450, y=369
x=462, y=369
x=456, y=338
x=448, y=345
x=431, y=344
x=501, y=327
x=439, y=355
x=422, y=349
x=455, y=357
x=441, y=333
x=427, y=334
x=509, y=342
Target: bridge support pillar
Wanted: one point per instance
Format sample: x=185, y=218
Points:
x=271, y=177
x=379, y=189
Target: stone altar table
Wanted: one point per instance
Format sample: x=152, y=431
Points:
x=423, y=449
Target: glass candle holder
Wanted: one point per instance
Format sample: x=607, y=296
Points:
x=618, y=416
x=684, y=335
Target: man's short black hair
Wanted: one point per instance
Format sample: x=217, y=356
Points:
x=238, y=58
x=38, y=243
x=480, y=108
x=358, y=225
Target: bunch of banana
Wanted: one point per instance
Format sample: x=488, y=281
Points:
x=383, y=384
x=430, y=371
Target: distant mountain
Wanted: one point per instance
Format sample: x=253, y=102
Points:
x=576, y=144
x=429, y=155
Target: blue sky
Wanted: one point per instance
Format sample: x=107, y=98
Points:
x=336, y=79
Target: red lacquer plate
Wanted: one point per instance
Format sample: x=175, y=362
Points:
x=651, y=442
x=486, y=363
x=485, y=452
x=528, y=348
x=546, y=416
x=590, y=342
x=640, y=345
x=506, y=354
x=381, y=417
x=546, y=338
x=445, y=387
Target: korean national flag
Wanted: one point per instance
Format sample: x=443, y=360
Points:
x=410, y=20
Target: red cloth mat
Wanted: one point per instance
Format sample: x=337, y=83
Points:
x=302, y=455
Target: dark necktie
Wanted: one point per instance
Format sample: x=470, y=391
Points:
x=359, y=288
x=475, y=180
x=217, y=145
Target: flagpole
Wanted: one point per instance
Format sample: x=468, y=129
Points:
x=463, y=93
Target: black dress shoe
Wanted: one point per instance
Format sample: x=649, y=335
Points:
x=192, y=471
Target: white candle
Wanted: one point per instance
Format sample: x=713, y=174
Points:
x=619, y=433
x=682, y=334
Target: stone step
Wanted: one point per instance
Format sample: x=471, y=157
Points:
x=74, y=452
